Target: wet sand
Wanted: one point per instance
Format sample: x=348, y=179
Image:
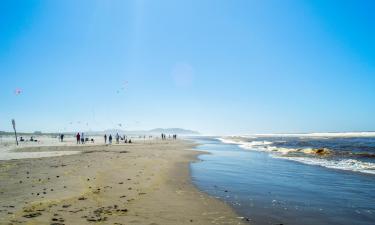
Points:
x=142, y=183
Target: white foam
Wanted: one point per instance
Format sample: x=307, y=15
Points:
x=264, y=146
x=323, y=134
x=343, y=164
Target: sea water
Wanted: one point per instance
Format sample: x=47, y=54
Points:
x=282, y=180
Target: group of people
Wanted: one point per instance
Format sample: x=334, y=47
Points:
x=108, y=139
x=31, y=139
x=164, y=136
x=118, y=137
x=80, y=138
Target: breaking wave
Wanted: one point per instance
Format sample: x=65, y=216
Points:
x=313, y=156
x=341, y=164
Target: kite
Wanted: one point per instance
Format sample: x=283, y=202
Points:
x=123, y=88
x=18, y=91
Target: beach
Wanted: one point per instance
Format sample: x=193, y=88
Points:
x=147, y=182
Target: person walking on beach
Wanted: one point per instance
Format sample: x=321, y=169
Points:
x=82, y=138
x=62, y=137
x=117, y=139
x=110, y=139
x=105, y=138
x=78, y=136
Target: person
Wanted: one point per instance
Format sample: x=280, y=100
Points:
x=110, y=139
x=78, y=136
x=105, y=138
x=62, y=137
x=117, y=139
x=82, y=138
x=130, y=141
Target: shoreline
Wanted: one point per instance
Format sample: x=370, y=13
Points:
x=142, y=183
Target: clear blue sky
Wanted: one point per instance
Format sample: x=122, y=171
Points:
x=219, y=67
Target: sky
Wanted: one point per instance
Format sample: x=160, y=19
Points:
x=215, y=66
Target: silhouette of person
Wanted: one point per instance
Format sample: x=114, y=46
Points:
x=117, y=139
x=78, y=136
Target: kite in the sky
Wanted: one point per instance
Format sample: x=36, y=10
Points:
x=18, y=91
x=124, y=87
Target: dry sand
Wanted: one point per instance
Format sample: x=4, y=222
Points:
x=142, y=183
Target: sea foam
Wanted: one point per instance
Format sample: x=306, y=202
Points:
x=283, y=153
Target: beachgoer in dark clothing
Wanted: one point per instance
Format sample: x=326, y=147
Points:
x=105, y=138
x=62, y=137
x=78, y=136
x=110, y=139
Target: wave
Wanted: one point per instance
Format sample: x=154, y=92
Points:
x=306, y=155
x=323, y=134
x=343, y=164
x=264, y=146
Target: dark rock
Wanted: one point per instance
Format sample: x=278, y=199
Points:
x=32, y=215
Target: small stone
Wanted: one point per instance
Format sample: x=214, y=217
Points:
x=32, y=215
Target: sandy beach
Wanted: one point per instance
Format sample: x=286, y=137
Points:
x=142, y=183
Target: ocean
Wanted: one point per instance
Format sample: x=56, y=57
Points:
x=291, y=179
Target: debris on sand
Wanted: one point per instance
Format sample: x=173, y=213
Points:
x=32, y=215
